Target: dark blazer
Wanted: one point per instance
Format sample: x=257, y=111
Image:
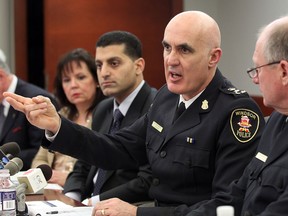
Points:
x=192, y=159
x=131, y=185
x=263, y=187
x=17, y=129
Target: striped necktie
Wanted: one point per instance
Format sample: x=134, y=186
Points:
x=117, y=119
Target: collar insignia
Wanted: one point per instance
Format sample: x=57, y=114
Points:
x=204, y=105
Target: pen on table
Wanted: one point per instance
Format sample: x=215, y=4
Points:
x=52, y=212
x=56, y=212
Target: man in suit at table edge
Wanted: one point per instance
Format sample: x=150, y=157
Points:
x=120, y=69
x=15, y=126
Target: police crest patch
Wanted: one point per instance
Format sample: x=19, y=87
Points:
x=244, y=124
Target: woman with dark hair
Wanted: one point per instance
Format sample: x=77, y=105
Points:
x=78, y=93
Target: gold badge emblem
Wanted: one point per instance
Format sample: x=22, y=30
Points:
x=205, y=105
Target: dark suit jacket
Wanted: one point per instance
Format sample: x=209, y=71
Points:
x=17, y=129
x=200, y=154
x=130, y=184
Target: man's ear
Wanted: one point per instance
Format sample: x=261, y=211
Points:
x=140, y=65
x=215, y=56
x=284, y=74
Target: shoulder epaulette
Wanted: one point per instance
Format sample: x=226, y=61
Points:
x=233, y=91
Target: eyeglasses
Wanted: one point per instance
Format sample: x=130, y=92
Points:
x=253, y=72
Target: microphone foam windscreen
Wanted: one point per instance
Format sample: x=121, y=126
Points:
x=10, y=148
x=46, y=170
x=14, y=165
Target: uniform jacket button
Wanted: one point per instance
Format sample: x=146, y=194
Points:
x=163, y=154
x=259, y=180
x=155, y=181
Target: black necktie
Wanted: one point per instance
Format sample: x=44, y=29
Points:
x=181, y=108
x=2, y=117
x=118, y=117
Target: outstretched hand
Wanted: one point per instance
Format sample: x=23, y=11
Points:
x=39, y=110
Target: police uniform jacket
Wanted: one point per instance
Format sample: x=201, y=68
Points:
x=206, y=148
x=263, y=187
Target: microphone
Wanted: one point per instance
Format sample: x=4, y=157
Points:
x=46, y=170
x=9, y=156
x=31, y=181
x=6, y=150
x=35, y=179
x=14, y=165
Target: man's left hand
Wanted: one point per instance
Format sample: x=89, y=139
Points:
x=114, y=207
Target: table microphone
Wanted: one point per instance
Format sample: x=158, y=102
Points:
x=6, y=150
x=14, y=165
x=35, y=179
x=30, y=182
x=10, y=148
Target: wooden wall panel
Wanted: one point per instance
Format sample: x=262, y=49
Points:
x=21, y=68
x=70, y=24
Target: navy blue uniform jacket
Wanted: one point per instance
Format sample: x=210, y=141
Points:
x=206, y=148
x=263, y=188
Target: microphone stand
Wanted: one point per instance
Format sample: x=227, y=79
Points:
x=21, y=207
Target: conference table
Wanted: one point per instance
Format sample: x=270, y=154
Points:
x=49, y=203
x=50, y=194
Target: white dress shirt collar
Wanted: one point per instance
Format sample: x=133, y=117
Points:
x=12, y=89
x=124, y=106
x=189, y=102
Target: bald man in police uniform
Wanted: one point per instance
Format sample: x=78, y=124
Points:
x=193, y=156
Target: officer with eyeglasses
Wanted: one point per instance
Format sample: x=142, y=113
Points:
x=253, y=72
x=263, y=187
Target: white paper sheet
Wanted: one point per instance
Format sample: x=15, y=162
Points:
x=56, y=207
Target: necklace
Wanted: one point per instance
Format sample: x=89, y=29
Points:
x=88, y=119
x=84, y=121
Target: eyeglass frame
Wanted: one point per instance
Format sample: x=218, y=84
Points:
x=249, y=70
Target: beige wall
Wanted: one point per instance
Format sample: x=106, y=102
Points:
x=6, y=30
x=239, y=21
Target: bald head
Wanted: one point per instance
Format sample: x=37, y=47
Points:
x=273, y=40
x=278, y=23
x=196, y=23
x=191, y=52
